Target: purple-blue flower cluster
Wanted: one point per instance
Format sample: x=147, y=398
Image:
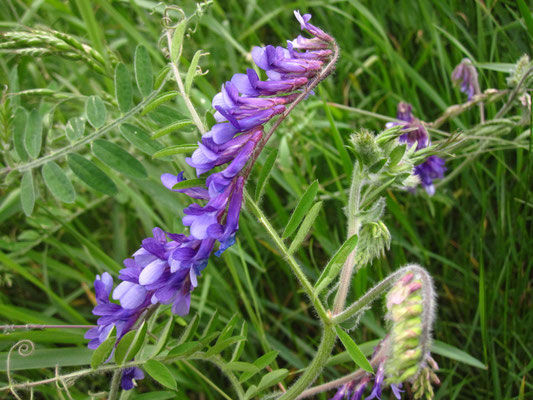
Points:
x=433, y=167
x=165, y=269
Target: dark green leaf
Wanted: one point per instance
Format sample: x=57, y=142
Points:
x=143, y=71
x=27, y=193
x=117, y=158
x=57, y=182
x=173, y=150
x=33, y=138
x=301, y=209
x=160, y=373
x=20, y=120
x=376, y=167
x=265, y=173
x=91, y=175
x=306, y=226
x=75, y=128
x=130, y=344
x=171, y=128
x=140, y=139
x=95, y=111
x=123, y=89
x=335, y=264
x=102, y=353
x=189, y=183
x=355, y=353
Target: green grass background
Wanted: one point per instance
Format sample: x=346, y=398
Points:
x=474, y=236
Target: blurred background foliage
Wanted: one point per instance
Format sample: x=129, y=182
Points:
x=474, y=235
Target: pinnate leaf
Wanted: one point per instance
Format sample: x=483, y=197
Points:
x=27, y=193
x=33, y=137
x=143, y=70
x=91, y=175
x=95, y=111
x=123, y=89
x=160, y=373
x=117, y=158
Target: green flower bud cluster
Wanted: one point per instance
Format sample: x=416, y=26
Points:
x=374, y=238
x=405, y=315
x=522, y=67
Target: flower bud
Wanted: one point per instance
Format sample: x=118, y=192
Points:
x=410, y=316
x=366, y=148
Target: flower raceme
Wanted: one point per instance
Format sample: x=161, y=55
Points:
x=431, y=169
x=166, y=267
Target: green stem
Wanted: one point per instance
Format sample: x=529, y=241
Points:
x=89, y=138
x=113, y=391
x=317, y=364
x=354, y=224
x=308, y=288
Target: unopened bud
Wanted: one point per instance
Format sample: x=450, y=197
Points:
x=366, y=148
x=410, y=315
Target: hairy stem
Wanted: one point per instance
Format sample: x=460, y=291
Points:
x=181, y=87
x=354, y=225
x=115, y=381
x=315, y=367
x=308, y=288
x=513, y=95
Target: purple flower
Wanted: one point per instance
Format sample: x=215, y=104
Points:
x=313, y=30
x=417, y=132
x=128, y=377
x=378, y=383
x=431, y=169
x=396, y=390
x=169, y=181
x=465, y=74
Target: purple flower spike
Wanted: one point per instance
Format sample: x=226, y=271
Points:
x=129, y=376
x=165, y=269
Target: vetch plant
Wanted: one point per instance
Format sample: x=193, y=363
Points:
x=141, y=308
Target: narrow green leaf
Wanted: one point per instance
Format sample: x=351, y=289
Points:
x=75, y=128
x=102, y=353
x=91, y=175
x=162, y=98
x=95, y=111
x=27, y=193
x=220, y=346
x=241, y=366
x=160, y=373
x=306, y=226
x=449, y=351
x=353, y=350
x=123, y=88
x=334, y=265
x=163, y=337
x=191, y=72
x=185, y=349
x=117, y=158
x=140, y=139
x=20, y=120
x=57, y=182
x=265, y=173
x=190, y=330
x=33, y=138
x=260, y=363
x=171, y=128
x=272, y=378
x=189, y=183
x=240, y=347
x=173, y=150
x=376, y=167
x=301, y=209
x=177, y=40
x=143, y=71
x=130, y=344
